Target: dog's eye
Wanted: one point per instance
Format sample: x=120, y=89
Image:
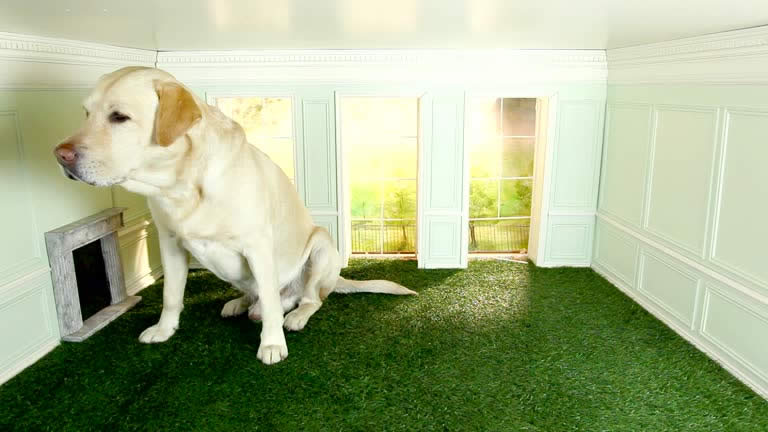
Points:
x=117, y=117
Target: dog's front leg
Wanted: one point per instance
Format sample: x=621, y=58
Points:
x=260, y=258
x=175, y=269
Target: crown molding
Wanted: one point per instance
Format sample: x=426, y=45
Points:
x=42, y=62
x=435, y=66
x=30, y=62
x=734, y=57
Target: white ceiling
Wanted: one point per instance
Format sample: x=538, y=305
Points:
x=376, y=24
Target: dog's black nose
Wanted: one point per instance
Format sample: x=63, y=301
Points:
x=66, y=154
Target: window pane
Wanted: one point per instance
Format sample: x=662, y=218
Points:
x=483, y=198
x=399, y=159
x=499, y=235
x=517, y=157
x=516, y=198
x=399, y=199
x=519, y=117
x=245, y=110
x=483, y=117
x=277, y=119
x=280, y=150
x=268, y=125
x=366, y=202
x=484, y=157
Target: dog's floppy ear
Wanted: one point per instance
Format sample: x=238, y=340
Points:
x=176, y=112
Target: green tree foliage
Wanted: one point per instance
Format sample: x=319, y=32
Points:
x=483, y=198
x=401, y=204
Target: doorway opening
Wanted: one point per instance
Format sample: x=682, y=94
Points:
x=380, y=145
x=502, y=140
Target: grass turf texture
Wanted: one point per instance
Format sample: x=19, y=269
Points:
x=500, y=346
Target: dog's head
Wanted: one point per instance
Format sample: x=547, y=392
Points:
x=134, y=119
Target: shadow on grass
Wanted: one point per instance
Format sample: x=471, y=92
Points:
x=500, y=346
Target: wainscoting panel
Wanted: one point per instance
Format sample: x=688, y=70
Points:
x=625, y=161
x=319, y=155
x=734, y=324
x=616, y=252
x=680, y=190
x=445, y=157
x=442, y=212
x=569, y=241
x=442, y=238
x=140, y=254
x=20, y=253
x=672, y=288
x=28, y=327
x=741, y=212
x=577, y=156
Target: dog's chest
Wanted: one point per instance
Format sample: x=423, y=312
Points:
x=225, y=262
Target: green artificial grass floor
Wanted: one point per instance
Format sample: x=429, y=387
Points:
x=498, y=347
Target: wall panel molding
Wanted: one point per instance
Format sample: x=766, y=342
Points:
x=27, y=298
x=634, y=218
x=663, y=297
x=603, y=232
x=755, y=292
x=676, y=179
x=319, y=150
x=714, y=295
x=578, y=145
x=747, y=266
x=26, y=256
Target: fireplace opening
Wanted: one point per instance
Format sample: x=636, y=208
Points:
x=92, y=280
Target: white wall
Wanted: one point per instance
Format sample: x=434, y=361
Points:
x=42, y=84
x=681, y=219
x=573, y=81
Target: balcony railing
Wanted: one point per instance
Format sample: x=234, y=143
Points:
x=498, y=237
x=399, y=237
x=384, y=237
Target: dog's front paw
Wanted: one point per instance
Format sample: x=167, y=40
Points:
x=234, y=307
x=156, y=334
x=271, y=354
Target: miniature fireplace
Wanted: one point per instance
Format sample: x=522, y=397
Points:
x=87, y=274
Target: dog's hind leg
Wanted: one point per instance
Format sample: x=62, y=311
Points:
x=236, y=307
x=321, y=273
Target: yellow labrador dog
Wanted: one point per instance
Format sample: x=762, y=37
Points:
x=213, y=194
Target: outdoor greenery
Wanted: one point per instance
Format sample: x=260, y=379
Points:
x=497, y=347
x=268, y=125
x=380, y=141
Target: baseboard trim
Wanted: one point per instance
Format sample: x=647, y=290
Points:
x=144, y=281
x=685, y=333
x=746, y=290
x=28, y=360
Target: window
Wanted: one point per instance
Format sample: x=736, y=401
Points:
x=501, y=137
x=379, y=136
x=268, y=124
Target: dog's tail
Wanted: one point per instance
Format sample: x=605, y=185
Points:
x=346, y=286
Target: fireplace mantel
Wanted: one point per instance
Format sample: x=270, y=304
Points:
x=60, y=244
